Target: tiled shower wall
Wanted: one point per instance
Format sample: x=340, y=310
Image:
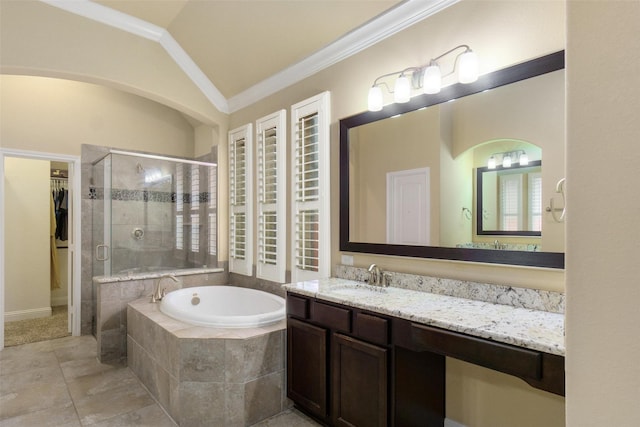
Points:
x=136, y=204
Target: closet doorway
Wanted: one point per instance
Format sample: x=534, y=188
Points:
x=39, y=239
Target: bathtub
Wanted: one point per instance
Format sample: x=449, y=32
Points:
x=223, y=307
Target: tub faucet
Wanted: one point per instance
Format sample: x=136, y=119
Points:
x=158, y=292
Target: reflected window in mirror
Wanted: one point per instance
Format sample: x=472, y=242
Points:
x=509, y=200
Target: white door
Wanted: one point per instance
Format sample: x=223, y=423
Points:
x=408, y=207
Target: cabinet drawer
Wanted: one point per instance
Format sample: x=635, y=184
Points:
x=517, y=361
x=297, y=307
x=332, y=317
x=371, y=328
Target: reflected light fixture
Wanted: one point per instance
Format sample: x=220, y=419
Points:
x=508, y=159
x=427, y=78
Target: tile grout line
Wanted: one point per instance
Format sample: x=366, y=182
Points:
x=64, y=378
x=156, y=401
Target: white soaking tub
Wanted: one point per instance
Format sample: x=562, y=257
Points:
x=223, y=306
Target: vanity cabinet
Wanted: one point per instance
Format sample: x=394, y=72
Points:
x=359, y=383
x=358, y=368
x=338, y=363
x=341, y=369
x=307, y=366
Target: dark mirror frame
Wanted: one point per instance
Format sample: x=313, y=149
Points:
x=533, y=68
x=480, y=207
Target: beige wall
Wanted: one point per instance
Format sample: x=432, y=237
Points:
x=57, y=116
x=502, y=33
x=42, y=40
x=26, y=246
x=387, y=143
x=603, y=238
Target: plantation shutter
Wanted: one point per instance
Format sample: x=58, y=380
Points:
x=179, y=206
x=535, y=201
x=240, y=198
x=310, y=159
x=195, y=206
x=511, y=202
x=271, y=197
x=213, y=210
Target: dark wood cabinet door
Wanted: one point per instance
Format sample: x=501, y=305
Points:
x=359, y=387
x=307, y=366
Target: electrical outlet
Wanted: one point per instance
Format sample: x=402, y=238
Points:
x=347, y=259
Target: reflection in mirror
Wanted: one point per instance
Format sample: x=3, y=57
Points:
x=408, y=182
x=510, y=200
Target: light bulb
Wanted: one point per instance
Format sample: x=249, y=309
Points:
x=491, y=164
x=402, y=89
x=432, y=80
x=506, y=161
x=468, y=67
x=375, y=98
x=524, y=159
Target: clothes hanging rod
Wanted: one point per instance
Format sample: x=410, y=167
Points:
x=155, y=157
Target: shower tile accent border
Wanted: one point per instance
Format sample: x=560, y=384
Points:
x=534, y=299
x=126, y=195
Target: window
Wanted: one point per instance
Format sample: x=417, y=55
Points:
x=310, y=188
x=179, y=206
x=534, y=180
x=195, y=233
x=240, y=200
x=195, y=206
x=511, y=202
x=213, y=210
x=271, y=140
x=521, y=201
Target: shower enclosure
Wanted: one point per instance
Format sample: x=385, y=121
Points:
x=152, y=213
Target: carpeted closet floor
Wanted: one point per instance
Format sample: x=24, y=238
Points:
x=34, y=330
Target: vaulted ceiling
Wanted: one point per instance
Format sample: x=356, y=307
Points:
x=234, y=52
x=240, y=43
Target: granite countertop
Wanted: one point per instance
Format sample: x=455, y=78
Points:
x=532, y=329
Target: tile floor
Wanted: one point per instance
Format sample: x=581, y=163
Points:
x=61, y=383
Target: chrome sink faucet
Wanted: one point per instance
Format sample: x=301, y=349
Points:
x=376, y=276
x=158, y=292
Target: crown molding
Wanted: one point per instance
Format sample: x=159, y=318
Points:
x=389, y=23
x=111, y=17
x=149, y=31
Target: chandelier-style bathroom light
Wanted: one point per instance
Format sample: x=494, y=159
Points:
x=427, y=77
x=508, y=158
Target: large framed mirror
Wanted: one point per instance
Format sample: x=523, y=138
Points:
x=415, y=178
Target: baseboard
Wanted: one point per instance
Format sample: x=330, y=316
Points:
x=57, y=301
x=33, y=313
x=451, y=423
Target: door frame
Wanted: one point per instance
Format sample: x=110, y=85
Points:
x=75, y=245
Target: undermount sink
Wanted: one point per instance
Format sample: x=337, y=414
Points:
x=357, y=290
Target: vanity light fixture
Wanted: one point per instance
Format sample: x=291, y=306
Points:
x=427, y=77
x=508, y=158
